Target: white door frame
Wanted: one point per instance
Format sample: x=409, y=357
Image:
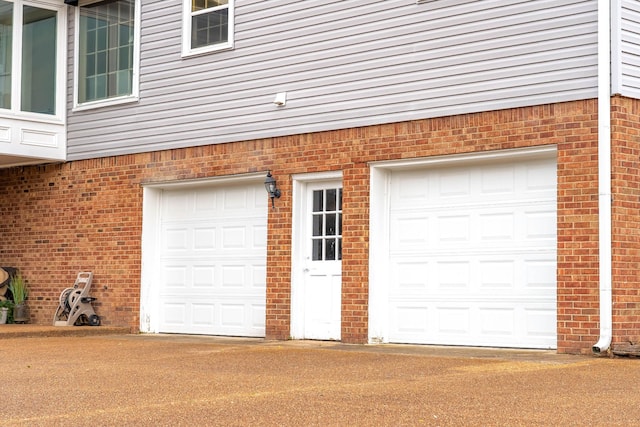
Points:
x=300, y=184
x=150, y=245
x=379, y=222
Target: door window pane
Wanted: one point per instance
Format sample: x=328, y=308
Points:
x=330, y=251
x=318, y=202
x=331, y=200
x=6, y=39
x=317, y=225
x=326, y=220
x=316, y=249
x=331, y=225
x=38, y=60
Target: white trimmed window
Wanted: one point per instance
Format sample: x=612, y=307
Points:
x=207, y=26
x=32, y=49
x=107, y=51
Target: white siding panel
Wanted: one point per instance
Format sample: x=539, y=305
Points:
x=342, y=64
x=626, y=73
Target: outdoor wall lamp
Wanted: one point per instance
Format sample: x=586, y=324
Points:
x=272, y=189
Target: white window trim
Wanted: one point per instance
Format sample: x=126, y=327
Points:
x=135, y=84
x=16, y=65
x=186, y=32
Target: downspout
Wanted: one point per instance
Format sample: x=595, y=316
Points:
x=604, y=175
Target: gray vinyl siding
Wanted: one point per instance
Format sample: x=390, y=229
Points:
x=344, y=63
x=626, y=48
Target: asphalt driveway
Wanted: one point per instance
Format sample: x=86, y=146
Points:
x=157, y=380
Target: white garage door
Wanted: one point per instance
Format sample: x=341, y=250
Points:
x=212, y=260
x=473, y=255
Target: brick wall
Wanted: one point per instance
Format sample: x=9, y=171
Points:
x=625, y=168
x=577, y=231
x=59, y=219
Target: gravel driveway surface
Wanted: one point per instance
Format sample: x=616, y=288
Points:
x=159, y=380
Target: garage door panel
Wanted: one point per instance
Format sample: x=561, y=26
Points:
x=473, y=227
x=540, y=224
x=234, y=237
x=497, y=321
x=213, y=261
x=231, y=315
x=537, y=174
x=453, y=275
x=496, y=180
x=204, y=276
x=216, y=315
x=497, y=226
x=175, y=276
x=176, y=239
x=411, y=274
x=175, y=204
x=473, y=254
x=541, y=273
x=540, y=322
x=409, y=231
x=453, y=320
x=204, y=238
x=411, y=189
x=174, y=314
x=511, y=273
x=452, y=183
x=205, y=201
x=498, y=273
x=490, y=323
x=202, y=315
x=410, y=320
x=258, y=276
x=237, y=198
x=259, y=237
x=258, y=313
x=453, y=228
x=233, y=276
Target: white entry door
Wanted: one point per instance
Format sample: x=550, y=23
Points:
x=321, y=285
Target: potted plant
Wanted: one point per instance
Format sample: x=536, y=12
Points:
x=19, y=290
x=5, y=306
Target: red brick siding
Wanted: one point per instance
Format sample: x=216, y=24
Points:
x=625, y=167
x=57, y=220
x=578, y=231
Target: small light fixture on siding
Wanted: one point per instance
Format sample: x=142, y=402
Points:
x=272, y=189
x=281, y=99
x=71, y=2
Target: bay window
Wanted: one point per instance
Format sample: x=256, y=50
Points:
x=31, y=57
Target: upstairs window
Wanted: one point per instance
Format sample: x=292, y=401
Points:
x=31, y=63
x=107, y=52
x=207, y=26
